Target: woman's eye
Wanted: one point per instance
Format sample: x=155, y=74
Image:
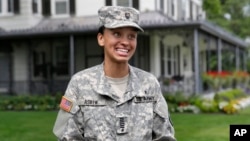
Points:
x=131, y=37
x=116, y=34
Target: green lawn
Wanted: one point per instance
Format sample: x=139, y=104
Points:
x=207, y=127
x=27, y=126
x=30, y=126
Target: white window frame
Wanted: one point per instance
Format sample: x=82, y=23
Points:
x=130, y=3
x=162, y=7
x=188, y=9
x=184, y=9
x=53, y=8
x=173, y=59
x=4, y=8
x=39, y=7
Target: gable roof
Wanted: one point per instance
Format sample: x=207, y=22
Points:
x=90, y=24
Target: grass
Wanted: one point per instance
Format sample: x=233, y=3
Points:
x=27, y=126
x=30, y=126
x=207, y=127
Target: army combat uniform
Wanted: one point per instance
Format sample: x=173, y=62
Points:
x=91, y=111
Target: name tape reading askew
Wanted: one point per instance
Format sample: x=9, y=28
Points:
x=239, y=132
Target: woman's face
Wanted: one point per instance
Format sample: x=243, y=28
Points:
x=119, y=44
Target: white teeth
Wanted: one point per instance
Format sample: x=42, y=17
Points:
x=122, y=50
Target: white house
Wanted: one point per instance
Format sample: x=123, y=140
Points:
x=44, y=42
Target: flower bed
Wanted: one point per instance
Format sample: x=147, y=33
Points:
x=229, y=102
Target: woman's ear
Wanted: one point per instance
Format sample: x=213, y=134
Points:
x=100, y=39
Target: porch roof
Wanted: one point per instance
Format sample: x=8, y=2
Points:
x=90, y=24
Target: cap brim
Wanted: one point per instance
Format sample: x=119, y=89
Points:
x=123, y=24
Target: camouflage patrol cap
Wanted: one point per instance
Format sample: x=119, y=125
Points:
x=117, y=16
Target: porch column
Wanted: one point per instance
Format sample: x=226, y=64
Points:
x=72, y=55
x=162, y=57
x=237, y=61
x=244, y=60
x=208, y=53
x=29, y=66
x=196, y=63
x=219, y=67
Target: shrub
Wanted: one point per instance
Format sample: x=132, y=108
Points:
x=30, y=102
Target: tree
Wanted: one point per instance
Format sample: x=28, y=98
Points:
x=232, y=15
x=237, y=20
x=212, y=8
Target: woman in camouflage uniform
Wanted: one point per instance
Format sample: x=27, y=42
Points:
x=114, y=101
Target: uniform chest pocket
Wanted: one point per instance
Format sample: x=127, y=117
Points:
x=143, y=108
x=98, y=119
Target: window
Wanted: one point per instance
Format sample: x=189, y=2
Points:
x=183, y=9
x=191, y=10
x=172, y=8
x=62, y=60
x=58, y=8
x=171, y=59
x=162, y=4
x=39, y=64
x=127, y=3
x=10, y=6
x=6, y=7
x=61, y=7
x=35, y=6
x=0, y=6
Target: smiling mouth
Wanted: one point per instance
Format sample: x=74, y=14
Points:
x=122, y=51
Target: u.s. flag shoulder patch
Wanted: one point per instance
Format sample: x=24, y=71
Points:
x=66, y=104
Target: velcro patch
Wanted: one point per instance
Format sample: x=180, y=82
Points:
x=66, y=104
x=91, y=102
x=144, y=99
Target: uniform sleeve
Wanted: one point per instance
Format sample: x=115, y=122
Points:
x=163, y=129
x=68, y=125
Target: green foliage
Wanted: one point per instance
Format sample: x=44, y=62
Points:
x=30, y=102
x=237, y=24
x=208, y=106
x=223, y=102
x=212, y=7
x=229, y=95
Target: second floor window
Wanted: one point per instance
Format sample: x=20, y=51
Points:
x=162, y=6
x=0, y=6
x=58, y=7
x=127, y=3
x=35, y=6
x=6, y=7
x=61, y=7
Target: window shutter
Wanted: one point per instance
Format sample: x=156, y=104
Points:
x=72, y=6
x=16, y=6
x=108, y=2
x=136, y=4
x=46, y=7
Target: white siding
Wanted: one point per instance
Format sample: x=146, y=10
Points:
x=90, y=7
x=148, y=5
x=26, y=7
x=198, y=2
x=24, y=20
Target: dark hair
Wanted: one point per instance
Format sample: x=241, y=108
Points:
x=101, y=29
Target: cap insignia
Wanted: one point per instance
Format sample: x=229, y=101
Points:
x=127, y=15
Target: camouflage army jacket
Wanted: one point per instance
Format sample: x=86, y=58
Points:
x=97, y=114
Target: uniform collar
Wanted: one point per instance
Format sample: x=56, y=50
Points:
x=104, y=88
